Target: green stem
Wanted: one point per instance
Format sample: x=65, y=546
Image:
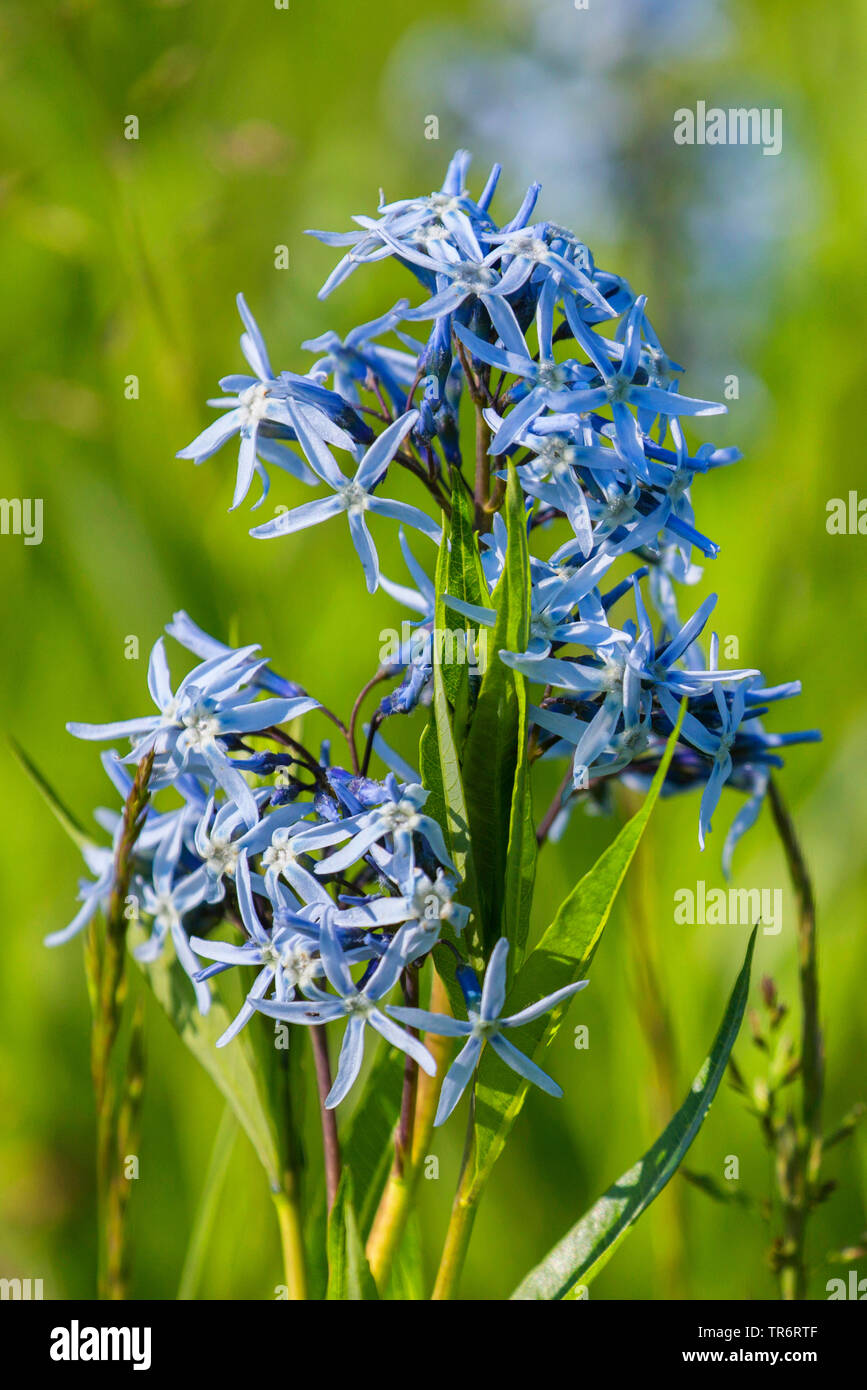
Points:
x=482, y=492
x=460, y=1228
x=287, y=1207
x=799, y=1145
x=330, y=1138
x=105, y=959
x=456, y=1245
x=812, y=1049
x=411, y=1149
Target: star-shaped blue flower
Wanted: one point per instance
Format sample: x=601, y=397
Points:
x=484, y=1025
x=354, y=496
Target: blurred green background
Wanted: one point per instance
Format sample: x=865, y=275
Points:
x=122, y=258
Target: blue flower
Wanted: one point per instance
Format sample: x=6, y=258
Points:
x=535, y=248
x=354, y=496
x=191, y=729
x=399, y=817
x=552, y=603
x=352, y=360
x=471, y=275
x=429, y=903
x=168, y=903
x=265, y=409
x=485, y=1025
x=92, y=894
x=276, y=839
x=359, y=1006
x=285, y=958
x=619, y=388
x=200, y=643
x=447, y=212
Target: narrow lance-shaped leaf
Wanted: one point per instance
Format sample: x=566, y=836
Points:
x=368, y=1148
x=349, y=1276
x=495, y=756
x=62, y=814
x=441, y=775
x=563, y=956
x=234, y=1069
x=464, y=580
x=589, y=1245
x=208, y=1205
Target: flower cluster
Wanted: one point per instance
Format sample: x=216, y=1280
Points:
x=571, y=382
x=339, y=881
x=322, y=869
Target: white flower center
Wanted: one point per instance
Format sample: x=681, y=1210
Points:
x=445, y=202
x=164, y=911
x=483, y=1028
x=222, y=856
x=278, y=857
x=617, y=388
x=635, y=740
x=353, y=497
x=433, y=235
x=297, y=963
x=475, y=277
x=619, y=509
x=531, y=248
x=432, y=902
x=401, y=815
x=543, y=625
x=357, y=1004
x=613, y=674
x=202, y=727
x=552, y=374
x=254, y=401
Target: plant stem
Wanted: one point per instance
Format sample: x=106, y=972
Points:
x=381, y=675
x=482, y=492
x=812, y=1049
x=460, y=1227
x=406, y=1120
x=330, y=1141
x=410, y=1150
x=287, y=1207
x=799, y=1145
x=557, y=802
x=115, y=1118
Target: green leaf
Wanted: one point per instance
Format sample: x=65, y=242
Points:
x=75, y=831
x=589, y=1245
x=235, y=1069
x=368, y=1147
x=407, y=1282
x=464, y=579
x=209, y=1205
x=523, y=851
x=562, y=957
x=441, y=776
x=495, y=755
x=349, y=1276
